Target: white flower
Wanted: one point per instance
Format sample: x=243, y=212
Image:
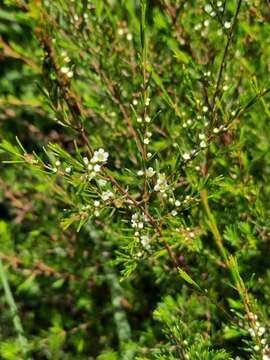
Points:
x=135, y=102
x=150, y=172
x=120, y=31
x=100, y=156
x=149, y=155
x=102, y=182
x=186, y=156
x=68, y=169
x=208, y=8
x=203, y=144
x=140, y=225
x=140, y=173
x=96, y=203
x=129, y=37
x=147, y=101
x=177, y=203
x=90, y=167
x=85, y=160
x=201, y=136
x=106, y=195
x=189, y=122
x=66, y=59
x=205, y=109
x=139, y=119
x=57, y=163
x=215, y=130
x=146, y=141
x=147, y=119
x=161, y=184
x=265, y=357
x=219, y=3
x=97, y=168
x=227, y=24
x=135, y=221
x=64, y=69
x=174, y=213
x=70, y=74
x=145, y=241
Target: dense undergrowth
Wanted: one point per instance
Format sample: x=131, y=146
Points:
x=134, y=190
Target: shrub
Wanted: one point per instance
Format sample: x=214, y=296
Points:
x=135, y=180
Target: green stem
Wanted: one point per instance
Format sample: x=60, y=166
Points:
x=14, y=311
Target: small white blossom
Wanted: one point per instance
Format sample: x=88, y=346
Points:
x=186, y=156
x=147, y=101
x=57, y=163
x=140, y=173
x=100, y=156
x=135, y=102
x=121, y=31
x=106, y=195
x=70, y=74
x=203, y=144
x=97, y=168
x=189, y=122
x=174, y=212
x=201, y=136
x=90, y=167
x=64, y=69
x=150, y=172
x=68, y=169
x=215, y=130
x=177, y=203
x=146, y=141
x=102, y=182
x=149, y=155
x=205, y=109
x=145, y=241
x=147, y=119
x=139, y=119
x=161, y=184
x=66, y=59
x=85, y=160
x=227, y=24
x=140, y=225
x=208, y=8
x=96, y=203
x=129, y=37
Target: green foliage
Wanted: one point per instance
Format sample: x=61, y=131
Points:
x=134, y=182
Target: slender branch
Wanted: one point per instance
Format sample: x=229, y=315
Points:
x=224, y=58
